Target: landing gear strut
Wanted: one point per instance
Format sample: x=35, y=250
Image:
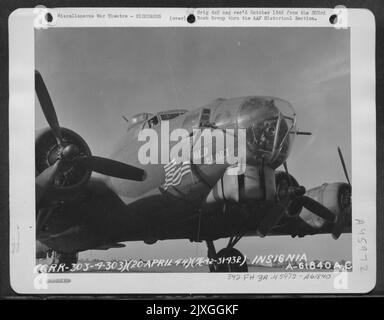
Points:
x=228, y=259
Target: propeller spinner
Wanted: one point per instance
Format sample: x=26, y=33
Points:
x=338, y=221
x=68, y=155
x=299, y=200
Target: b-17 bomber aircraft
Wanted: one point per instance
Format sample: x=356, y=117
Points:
x=147, y=192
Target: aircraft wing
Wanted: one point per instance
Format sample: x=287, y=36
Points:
x=297, y=227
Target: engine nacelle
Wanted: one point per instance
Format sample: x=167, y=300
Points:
x=334, y=196
x=72, y=175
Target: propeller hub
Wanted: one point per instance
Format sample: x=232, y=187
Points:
x=286, y=192
x=345, y=198
x=69, y=175
x=60, y=146
x=296, y=191
x=70, y=152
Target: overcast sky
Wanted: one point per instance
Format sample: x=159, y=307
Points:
x=97, y=75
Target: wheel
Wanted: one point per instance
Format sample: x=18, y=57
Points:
x=232, y=261
x=212, y=268
x=64, y=258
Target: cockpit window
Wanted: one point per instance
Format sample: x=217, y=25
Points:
x=169, y=116
x=269, y=123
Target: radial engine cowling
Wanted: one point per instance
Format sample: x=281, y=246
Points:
x=72, y=175
x=335, y=196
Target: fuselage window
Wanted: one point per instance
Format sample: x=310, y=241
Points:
x=169, y=116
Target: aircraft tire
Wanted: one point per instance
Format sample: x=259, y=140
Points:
x=226, y=266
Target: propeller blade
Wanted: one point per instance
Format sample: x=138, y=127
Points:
x=112, y=168
x=275, y=212
x=47, y=106
x=44, y=180
x=343, y=164
x=286, y=171
x=316, y=207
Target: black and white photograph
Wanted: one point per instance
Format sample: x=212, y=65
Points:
x=216, y=154
x=287, y=88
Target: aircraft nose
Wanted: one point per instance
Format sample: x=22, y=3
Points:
x=267, y=131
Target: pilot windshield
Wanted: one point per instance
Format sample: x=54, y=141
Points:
x=269, y=123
